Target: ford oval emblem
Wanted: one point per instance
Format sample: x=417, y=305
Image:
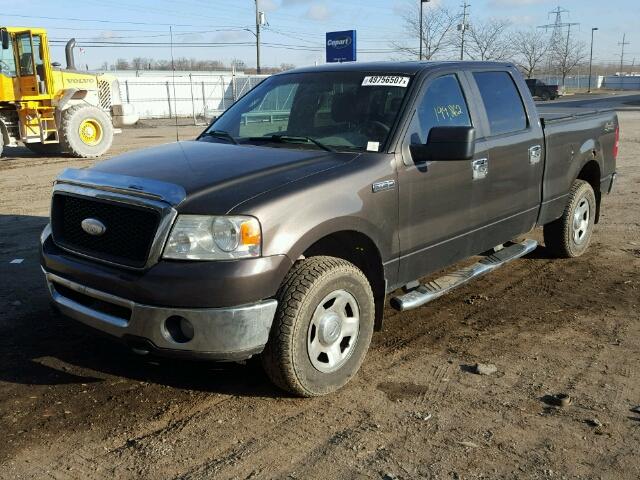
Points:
x=93, y=227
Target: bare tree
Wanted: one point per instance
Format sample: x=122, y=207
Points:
x=567, y=56
x=489, y=40
x=529, y=48
x=438, y=23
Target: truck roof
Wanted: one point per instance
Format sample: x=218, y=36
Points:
x=408, y=67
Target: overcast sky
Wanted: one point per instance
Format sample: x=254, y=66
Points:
x=296, y=27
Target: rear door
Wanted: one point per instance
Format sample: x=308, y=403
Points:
x=505, y=201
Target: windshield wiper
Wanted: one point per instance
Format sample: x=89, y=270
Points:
x=293, y=139
x=220, y=134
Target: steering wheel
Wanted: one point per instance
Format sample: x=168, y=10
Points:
x=373, y=127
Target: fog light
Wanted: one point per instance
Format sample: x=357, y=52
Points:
x=179, y=329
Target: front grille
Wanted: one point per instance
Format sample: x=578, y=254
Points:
x=129, y=234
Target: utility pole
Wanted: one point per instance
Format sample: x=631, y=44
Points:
x=556, y=33
x=591, y=58
x=257, y=38
x=421, y=28
x=623, y=43
x=463, y=28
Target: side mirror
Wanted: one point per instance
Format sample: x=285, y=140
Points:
x=5, y=39
x=446, y=143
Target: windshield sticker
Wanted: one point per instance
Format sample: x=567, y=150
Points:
x=385, y=81
x=373, y=146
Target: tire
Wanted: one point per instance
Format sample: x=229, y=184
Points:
x=545, y=96
x=570, y=235
x=78, y=124
x=322, y=328
x=1, y=143
x=46, y=149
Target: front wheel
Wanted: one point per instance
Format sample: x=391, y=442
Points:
x=570, y=235
x=322, y=328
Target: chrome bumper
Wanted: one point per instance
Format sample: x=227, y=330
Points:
x=219, y=333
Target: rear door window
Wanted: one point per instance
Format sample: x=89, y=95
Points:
x=502, y=102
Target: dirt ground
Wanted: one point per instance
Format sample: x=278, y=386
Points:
x=77, y=406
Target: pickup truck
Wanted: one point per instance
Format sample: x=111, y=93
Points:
x=285, y=228
x=538, y=88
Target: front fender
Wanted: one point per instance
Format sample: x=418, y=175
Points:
x=342, y=199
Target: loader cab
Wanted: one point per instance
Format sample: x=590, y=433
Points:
x=25, y=71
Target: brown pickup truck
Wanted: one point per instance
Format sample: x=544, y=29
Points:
x=284, y=228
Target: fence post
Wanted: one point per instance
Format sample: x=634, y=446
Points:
x=126, y=87
x=193, y=105
x=169, y=99
x=204, y=101
x=224, y=91
x=233, y=85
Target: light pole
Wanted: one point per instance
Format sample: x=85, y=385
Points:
x=257, y=39
x=421, y=30
x=591, y=58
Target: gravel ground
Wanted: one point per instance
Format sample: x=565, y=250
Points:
x=76, y=406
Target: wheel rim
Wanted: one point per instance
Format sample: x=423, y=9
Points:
x=581, y=221
x=90, y=132
x=333, y=331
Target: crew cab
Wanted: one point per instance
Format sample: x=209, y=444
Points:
x=285, y=228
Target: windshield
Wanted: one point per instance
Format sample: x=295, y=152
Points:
x=333, y=110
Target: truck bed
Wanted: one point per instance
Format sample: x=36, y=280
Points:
x=573, y=137
x=552, y=113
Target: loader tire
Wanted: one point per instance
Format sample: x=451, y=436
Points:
x=85, y=131
x=45, y=149
x=322, y=328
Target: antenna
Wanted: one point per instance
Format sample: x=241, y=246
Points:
x=173, y=81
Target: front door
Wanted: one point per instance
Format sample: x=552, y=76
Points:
x=26, y=64
x=434, y=197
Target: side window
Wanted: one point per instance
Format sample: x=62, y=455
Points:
x=443, y=105
x=25, y=54
x=7, y=61
x=502, y=102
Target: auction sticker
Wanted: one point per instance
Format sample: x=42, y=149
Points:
x=386, y=81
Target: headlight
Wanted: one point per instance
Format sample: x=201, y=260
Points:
x=199, y=237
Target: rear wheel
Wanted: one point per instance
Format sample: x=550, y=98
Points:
x=545, y=96
x=44, y=148
x=322, y=329
x=86, y=131
x=570, y=235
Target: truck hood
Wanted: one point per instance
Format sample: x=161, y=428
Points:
x=216, y=176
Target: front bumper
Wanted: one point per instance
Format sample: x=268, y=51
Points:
x=234, y=333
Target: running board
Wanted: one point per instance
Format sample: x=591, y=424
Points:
x=428, y=292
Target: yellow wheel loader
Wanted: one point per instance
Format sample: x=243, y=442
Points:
x=53, y=110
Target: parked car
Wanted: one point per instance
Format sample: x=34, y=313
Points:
x=284, y=228
x=540, y=89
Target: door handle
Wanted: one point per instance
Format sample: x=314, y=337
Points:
x=535, y=154
x=480, y=168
